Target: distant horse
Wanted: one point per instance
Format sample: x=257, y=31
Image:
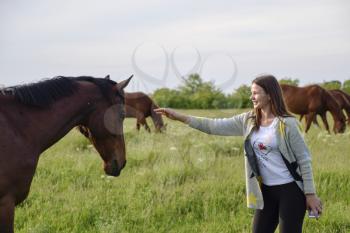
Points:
x=140, y=106
x=343, y=100
x=312, y=100
x=33, y=117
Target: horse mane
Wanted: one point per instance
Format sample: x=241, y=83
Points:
x=44, y=93
x=341, y=92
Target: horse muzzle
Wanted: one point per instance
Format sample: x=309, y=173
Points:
x=114, y=169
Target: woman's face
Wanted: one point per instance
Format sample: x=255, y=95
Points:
x=259, y=97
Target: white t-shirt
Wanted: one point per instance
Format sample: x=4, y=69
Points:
x=272, y=168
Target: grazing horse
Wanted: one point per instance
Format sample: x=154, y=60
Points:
x=343, y=100
x=312, y=100
x=33, y=117
x=140, y=106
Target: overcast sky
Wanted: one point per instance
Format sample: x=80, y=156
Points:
x=228, y=42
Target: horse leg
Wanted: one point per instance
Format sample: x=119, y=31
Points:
x=325, y=122
x=314, y=121
x=348, y=114
x=308, y=119
x=138, y=125
x=301, y=117
x=144, y=122
x=7, y=212
x=147, y=127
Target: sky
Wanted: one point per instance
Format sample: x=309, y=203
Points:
x=161, y=42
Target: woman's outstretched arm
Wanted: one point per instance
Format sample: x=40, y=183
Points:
x=171, y=114
x=220, y=126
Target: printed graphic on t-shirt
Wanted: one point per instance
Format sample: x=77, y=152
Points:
x=271, y=165
x=262, y=151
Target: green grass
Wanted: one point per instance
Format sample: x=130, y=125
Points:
x=181, y=181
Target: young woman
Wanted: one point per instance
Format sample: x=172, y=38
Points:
x=279, y=178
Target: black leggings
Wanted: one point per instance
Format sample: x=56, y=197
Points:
x=284, y=205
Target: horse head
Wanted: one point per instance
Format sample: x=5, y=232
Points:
x=337, y=113
x=160, y=128
x=339, y=123
x=104, y=127
x=158, y=120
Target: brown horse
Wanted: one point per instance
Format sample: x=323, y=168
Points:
x=140, y=106
x=343, y=100
x=33, y=117
x=312, y=100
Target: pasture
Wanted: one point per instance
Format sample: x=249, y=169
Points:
x=180, y=181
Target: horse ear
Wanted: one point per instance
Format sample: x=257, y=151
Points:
x=107, y=77
x=124, y=83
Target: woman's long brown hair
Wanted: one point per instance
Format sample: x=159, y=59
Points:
x=272, y=88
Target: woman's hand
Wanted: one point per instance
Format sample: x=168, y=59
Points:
x=314, y=204
x=171, y=114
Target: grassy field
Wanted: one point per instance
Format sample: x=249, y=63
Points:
x=180, y=181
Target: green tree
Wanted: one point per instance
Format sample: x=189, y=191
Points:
x=202, y=95
x=241, y=97
x=330, y=85
x=346, y=86
x=196, y=94
x=289, y=81
x=208, y=96
x=192, y=84
x=166, y=97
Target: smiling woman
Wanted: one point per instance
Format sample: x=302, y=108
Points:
x=279, y=177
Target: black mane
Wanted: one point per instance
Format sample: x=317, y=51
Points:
x=44, y=93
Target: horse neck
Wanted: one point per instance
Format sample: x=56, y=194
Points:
x=47, y=126
x=333, y=106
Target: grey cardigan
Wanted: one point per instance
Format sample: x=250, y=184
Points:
x=291, y=145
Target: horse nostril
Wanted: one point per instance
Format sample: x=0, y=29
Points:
x=114, y=170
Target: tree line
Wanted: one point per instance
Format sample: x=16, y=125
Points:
x=194, y=93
